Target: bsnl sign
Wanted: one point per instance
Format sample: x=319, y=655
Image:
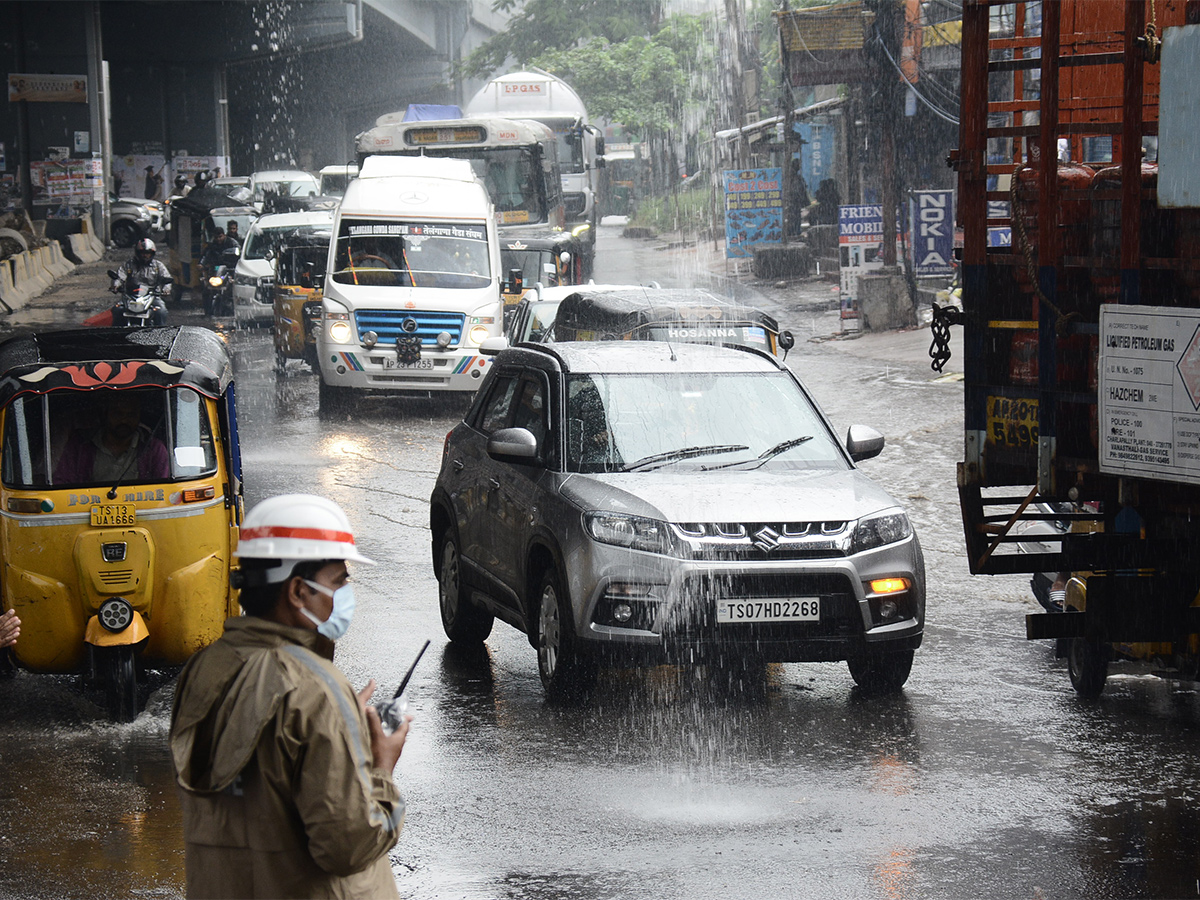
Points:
x=931, y=214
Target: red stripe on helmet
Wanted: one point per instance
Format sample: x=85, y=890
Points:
x=304, y=534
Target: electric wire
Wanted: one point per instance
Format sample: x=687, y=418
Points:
x=941, y=114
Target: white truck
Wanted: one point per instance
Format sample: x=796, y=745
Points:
x=413, y=281
x=545, y=98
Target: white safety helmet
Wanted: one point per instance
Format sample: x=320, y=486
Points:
x=295, y=528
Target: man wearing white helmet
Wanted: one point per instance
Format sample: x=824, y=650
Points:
x=286, y=772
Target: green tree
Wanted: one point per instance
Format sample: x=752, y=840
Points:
x=542, y=26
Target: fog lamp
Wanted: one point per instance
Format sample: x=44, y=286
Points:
x=889, y=585
x=443, y=339
x=116, y=614
x=888, y=610
x=622, y=612
x=339, y=332
x=479, y=334
x=370, y=339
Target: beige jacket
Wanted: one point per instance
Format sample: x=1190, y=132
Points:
x=273, y=755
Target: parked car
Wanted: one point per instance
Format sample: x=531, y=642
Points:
x=254, y=277
x=131, y=220
x=647, y=502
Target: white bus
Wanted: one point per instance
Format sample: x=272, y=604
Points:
x=412, y=284
x=517, y=160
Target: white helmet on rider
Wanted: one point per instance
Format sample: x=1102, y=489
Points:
x=144, y=249
x=294, y=528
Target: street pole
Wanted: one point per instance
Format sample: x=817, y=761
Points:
x=98, y=117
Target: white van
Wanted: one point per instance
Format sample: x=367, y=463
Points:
x=335, y=178
x=412, y=284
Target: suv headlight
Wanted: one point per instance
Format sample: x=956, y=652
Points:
x=634, y=532
x=880, y=529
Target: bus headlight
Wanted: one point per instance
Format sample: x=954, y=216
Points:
x=478, y=334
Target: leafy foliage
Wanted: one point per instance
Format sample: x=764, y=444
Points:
x=543, y=26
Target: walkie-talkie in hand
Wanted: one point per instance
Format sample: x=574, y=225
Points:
x=392, y=713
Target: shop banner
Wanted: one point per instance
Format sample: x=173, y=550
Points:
x=932, y=217
x=47, y=88
x=753, y=210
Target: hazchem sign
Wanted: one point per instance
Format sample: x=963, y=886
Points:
x=1149, y=397
x=932, y=217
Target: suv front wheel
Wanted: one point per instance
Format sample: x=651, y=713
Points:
x=565, y=673
x=881, y=671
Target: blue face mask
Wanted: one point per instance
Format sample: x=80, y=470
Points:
x=343, y=610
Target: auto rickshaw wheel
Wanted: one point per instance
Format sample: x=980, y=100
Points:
x=119, y=673
x=1087, y=664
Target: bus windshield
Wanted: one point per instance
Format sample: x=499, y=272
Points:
x=412, y=253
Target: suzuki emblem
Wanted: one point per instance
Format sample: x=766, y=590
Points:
x=766, y=539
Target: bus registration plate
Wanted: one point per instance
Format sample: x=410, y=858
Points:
x=770, y=609
x=389, y=363
x=107, y=515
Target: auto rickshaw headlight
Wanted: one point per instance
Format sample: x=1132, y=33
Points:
x=116, y=614
x=339, y=332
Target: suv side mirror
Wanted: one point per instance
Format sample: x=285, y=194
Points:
x=517, y=445
x=493, y=345
x=863, y=442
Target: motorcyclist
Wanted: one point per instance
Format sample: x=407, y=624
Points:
x=143, y=268
x=216, y=250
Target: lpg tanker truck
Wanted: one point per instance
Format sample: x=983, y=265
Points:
x=544, y=98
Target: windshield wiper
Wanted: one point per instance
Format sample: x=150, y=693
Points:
x=766, y=455
x=684, y=453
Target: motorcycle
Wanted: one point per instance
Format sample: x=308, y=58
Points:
x=218, y=284
x=134, y=309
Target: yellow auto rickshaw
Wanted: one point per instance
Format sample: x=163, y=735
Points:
x=194, y=220
x=120, y=490
x=299, y=283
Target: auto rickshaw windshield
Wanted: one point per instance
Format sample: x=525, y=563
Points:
x=69, y=438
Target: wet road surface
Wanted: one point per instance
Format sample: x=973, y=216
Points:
x=985, y=777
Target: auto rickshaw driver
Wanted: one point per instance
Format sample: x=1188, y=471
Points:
x=120, y=447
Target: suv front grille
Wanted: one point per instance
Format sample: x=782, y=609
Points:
x=388, y=324
x=764, y=541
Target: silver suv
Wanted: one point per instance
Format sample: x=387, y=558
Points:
x=644, y=502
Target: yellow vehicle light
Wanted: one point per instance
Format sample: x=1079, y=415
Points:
x=889, y=585
x=215, y=281
x=194, y=495
x=479, y=334
x=339, y=332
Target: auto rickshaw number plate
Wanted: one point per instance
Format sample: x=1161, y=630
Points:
x=107, y=515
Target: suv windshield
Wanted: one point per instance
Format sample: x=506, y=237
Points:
x=87, y=438
x=412, y=254
x=618, y=422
